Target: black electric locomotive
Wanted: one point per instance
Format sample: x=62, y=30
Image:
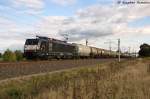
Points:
x=47, y=48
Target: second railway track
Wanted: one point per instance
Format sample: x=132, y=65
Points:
x=18, y=69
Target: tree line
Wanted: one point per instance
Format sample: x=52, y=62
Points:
x=9, y=55
x=17, y=55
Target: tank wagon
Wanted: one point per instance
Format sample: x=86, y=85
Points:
x=82, y=50
x=47, y=48
x=94, y=52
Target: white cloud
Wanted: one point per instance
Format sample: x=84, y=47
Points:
x=96, y=23
x=28, y=6
x=64, y=2
x=34, y=4
x=11, y=30
x=77, y=29
x=13, y=35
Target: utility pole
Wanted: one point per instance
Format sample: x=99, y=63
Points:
x=86, y=42
x=119, y=50
x=134, y=53
x=109, y=43
x=129, y=50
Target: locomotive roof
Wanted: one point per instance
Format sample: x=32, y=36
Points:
x=61, y=42
x=52, y=39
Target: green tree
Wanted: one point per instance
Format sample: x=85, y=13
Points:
x=9, y=56
x=144, y=50
x=19, y=55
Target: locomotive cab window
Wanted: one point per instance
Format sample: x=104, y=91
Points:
x=31, y=42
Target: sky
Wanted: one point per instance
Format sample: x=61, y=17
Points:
x=99, y=21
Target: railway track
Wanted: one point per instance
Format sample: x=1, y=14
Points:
x=18, y=69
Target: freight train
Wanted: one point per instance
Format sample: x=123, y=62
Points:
x=49, y=48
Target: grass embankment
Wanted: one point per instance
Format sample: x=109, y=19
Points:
x=125, y=80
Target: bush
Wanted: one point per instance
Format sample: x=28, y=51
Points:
x=19, y=55
x=14, y=93
x=9, y=56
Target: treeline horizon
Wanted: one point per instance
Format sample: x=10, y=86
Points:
x=17, y=55
x=12, y=56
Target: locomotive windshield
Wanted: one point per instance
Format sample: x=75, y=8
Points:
x=31, y=42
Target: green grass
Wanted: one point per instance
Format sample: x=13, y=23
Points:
x=125, y=80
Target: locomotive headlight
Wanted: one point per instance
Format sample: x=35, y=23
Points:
x=25, y=46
